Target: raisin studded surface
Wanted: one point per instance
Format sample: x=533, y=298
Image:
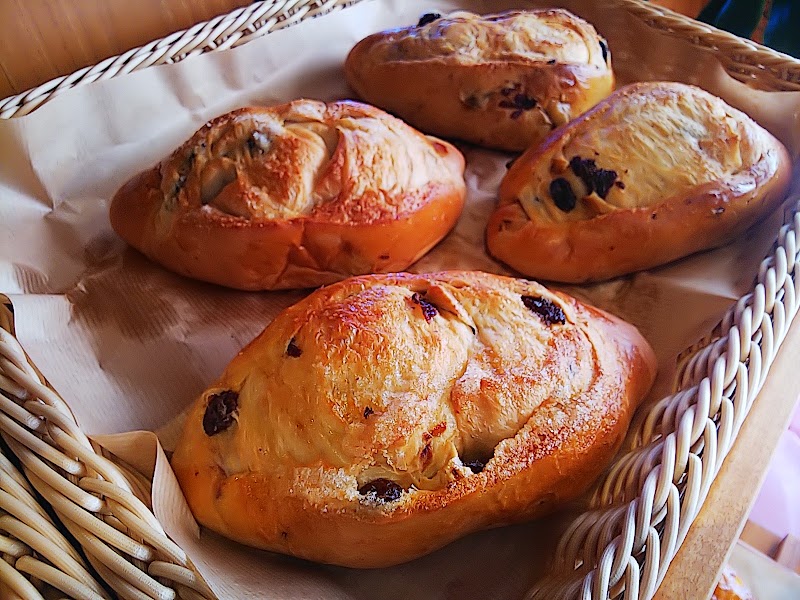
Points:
x=220, y=412
x=428, y=18
x=253, y=146
x=548, y=312
x=562, y=194
x=292, y=349
x=471, y=101
x=596, y=179
x=604, y=50
x=183, y=173
x=176, y=189
x=476, y=465
x=381, y=489
x=426, y=454
x=428, y=310
x=603, y=182
x=519, y=102
x=368, y=411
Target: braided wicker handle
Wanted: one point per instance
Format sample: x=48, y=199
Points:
x=226, y=31
x=103, y=505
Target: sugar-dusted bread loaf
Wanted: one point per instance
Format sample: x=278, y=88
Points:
x=384, y=416
x=293, y=196
x=503, y=80
x=655, y=172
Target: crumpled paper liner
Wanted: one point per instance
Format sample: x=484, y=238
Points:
x=130, y=345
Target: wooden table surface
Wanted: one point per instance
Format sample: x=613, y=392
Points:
x=40, y=40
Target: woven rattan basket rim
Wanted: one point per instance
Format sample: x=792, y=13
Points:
x=226, y=31
x=744, y=60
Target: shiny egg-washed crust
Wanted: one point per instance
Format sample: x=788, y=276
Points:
x=503, y=80
x=293, y=196
x=677, y=169
x=384, y=416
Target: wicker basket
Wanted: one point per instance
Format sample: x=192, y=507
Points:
x=639, y=514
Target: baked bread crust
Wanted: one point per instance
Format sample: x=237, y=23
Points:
x=654, y=173
x=384, y=416
x=503, y=80
x=293, y=196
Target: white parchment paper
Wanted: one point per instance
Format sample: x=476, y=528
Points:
x=130, y=345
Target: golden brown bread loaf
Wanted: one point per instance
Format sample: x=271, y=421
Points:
x=503, y=80
x=384, y=416
x=655, y=172
x=296, y=195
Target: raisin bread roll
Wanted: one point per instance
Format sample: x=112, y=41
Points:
x=294, y=196
x=654, y=173
x=503, y=80
x=384, y=416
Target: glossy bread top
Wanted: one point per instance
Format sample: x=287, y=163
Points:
x=295, y=195
x=464, y=37
x=653, y=141
x=653, y=173
x=384, y=416
x=502, y=80
x=347, y=161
